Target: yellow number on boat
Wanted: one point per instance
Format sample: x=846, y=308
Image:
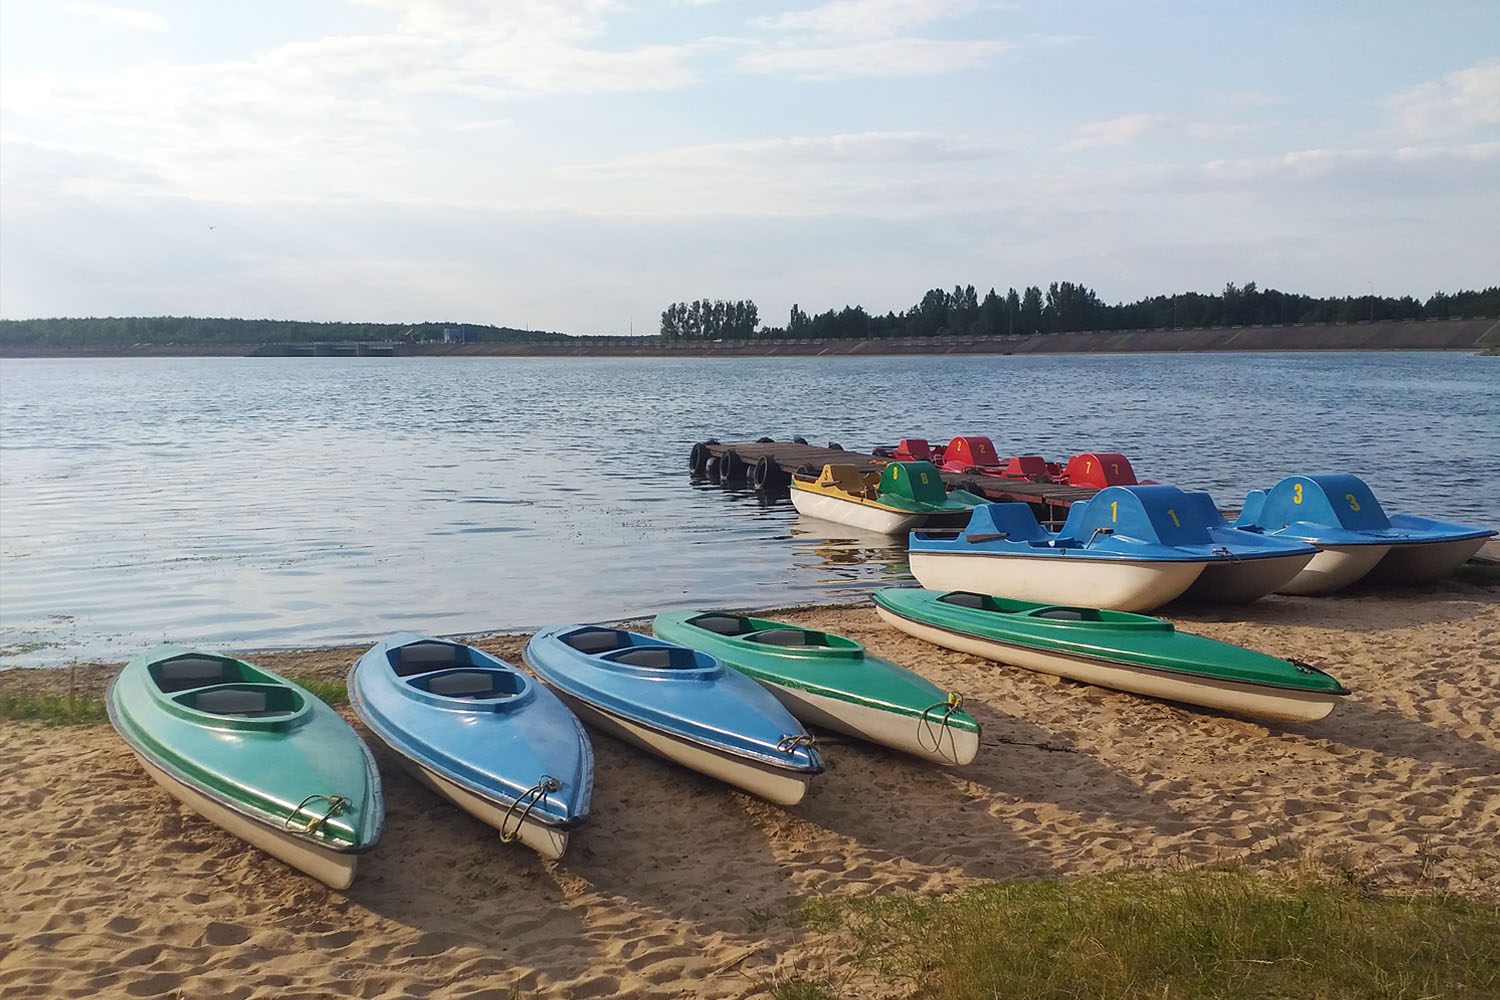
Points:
x=1296, y=493
x=924, y=479
x=1114, y=510
x=1173, y=515
x=1353, y=503
x=1116, y=467
x=1087, y=466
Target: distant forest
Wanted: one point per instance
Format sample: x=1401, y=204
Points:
x=126, y=332
x=1067, y=307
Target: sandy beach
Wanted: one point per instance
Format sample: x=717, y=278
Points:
x=678, y=887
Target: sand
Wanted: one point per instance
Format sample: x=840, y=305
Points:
x=679, y=887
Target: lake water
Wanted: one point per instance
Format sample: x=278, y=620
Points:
x=258, y=503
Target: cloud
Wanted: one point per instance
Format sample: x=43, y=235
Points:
x=886, y=57
x=1463, y=101
x=1114, y=132
x=844, y=19
x=122, y=16
x=863, y=149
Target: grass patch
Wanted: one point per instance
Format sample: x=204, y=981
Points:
x=335, y=693
x=54, y=710
x=1221, y=933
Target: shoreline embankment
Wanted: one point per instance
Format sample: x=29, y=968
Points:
x=1481, y=335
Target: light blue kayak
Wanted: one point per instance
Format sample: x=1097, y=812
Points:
x=479, y=732
x=679, y=703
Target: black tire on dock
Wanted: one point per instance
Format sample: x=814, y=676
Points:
x=698, y=458
x=711, y=469
x=731, y=467
x=765, y=440
x=768, y=474
x=750, y=474
x=835, y=446
x=799, y=439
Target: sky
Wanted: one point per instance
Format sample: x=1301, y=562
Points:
x=579, y=165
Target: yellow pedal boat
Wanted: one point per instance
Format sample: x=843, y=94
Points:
x=898, y=498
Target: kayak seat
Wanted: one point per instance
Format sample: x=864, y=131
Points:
x=723, y=624
x=244, y=702
x=788, y=637
x=658, y=657
x=191, y=672
x=475, y=684
x=597, y=640
x=425, y=657
x=964, y=599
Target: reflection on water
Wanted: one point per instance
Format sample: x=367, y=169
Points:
x=259, y=502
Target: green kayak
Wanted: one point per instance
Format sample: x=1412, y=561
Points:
x=1115, y=649
x=254, y=753
x=827, y=680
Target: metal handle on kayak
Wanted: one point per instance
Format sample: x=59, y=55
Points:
x=1096, y=534
x=336, y=804
x=789, y=744
x=533, y=795
x=953, y=704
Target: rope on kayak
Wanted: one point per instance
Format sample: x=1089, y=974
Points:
x=533, y=795
x=789, y=744
x=932, y=726
x=336, y=804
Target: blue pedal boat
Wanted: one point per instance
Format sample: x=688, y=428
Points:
x=1340, y=515
x=480, y=733
x=1127, y=548
x=679, y=703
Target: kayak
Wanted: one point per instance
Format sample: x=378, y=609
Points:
x=679, y=704
x=480, y=733
x=1128, y=652
x=830, y=681
x=255, y=754
x=901, y=496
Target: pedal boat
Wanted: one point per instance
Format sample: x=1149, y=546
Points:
x=1134, y=653
x=1128, y=548
x=253, y=753
x=480, y=733
x=901, y=496
x=830, y=681
x=680, y=704
x=1354, y=537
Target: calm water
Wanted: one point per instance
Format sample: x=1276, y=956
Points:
x=259, y=503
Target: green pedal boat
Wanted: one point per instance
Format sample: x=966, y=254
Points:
x=254, y=753
x=1116, y=649
x=827, y=680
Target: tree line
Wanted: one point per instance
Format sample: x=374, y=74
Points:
x=117, y=332
x=703, y=319
x=1068, y=307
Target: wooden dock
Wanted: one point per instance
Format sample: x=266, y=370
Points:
x=769, y=466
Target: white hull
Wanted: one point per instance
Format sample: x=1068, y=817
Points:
x=1229, y=582
x=780, y=785
x=1227, y=696
x=333, y=868
x=1426, y=562
x=886, y=522
x=1334, y=568
x=930, y=741
x=548, y=841
x=1122, y=586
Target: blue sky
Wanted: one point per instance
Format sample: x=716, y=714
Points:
x=578, y=165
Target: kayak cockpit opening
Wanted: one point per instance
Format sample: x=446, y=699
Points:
x=426, y=657
x=479, y=685
x=723, y=624
x=593, y=641
x=196, y=670
x=790, y=637
x=1069, y=614
x=245, y=701
x=659, y=658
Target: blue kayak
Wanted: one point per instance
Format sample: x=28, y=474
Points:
x=679, y=703
x=1128, y=548
x=479, y=732
x=1340, y=515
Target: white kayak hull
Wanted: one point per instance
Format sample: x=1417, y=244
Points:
x=1231, y=582
x=782, y=786
x=1334, y=568
x=859, y=515
x=929, y=739
x=1228, y=696
x=1091, y=583
x=334, y=869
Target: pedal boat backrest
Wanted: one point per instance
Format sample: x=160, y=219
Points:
x=1162, y=514
x=1341, y=501
x=917, y=481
